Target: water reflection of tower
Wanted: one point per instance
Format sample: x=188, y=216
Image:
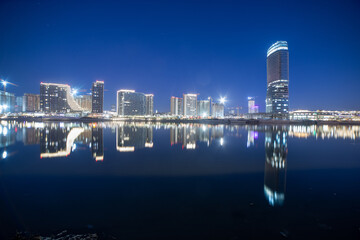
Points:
x=97, y=143
x=57, y=141
x=275, y=165
x=130, y=137
x=176, y=134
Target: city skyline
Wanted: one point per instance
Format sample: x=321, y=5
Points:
x=214, y=51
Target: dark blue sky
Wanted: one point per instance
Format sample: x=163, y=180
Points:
x=213, y=48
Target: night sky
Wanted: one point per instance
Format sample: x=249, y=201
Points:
x=214, y=48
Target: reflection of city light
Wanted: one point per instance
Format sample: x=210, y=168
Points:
x=5, y=131
x=221, y=141
x=74, y=147
x=125, y=149
x=191, y=146
x=4, y=154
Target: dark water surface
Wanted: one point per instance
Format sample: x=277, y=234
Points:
x=167, y=181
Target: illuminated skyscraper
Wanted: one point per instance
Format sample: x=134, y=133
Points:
x=203, y=108
x=57, y=98
x=190, y=105
x=31, y=102
x=252, y=108
x=176, y=106
x=149, y=104
x=84, y=101
x=277, y=97
x=130, y=103
x=217, y=110
x=97, y=92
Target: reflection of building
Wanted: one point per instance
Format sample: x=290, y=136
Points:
x=31, y=136
x=176, y=106
x=203, y=108
x=190, y=105
x=149, y=104
x=97, y=92
x=84, y=102
x=130, y=137
x=189, y=135
x=130, y=103
x=275, y=165
x=7, y=136
x=217, y=110
x=97, y=143
x=252, y=135
x=57, y=98
x=277, y=96
x=57, y=141
x=31, y=102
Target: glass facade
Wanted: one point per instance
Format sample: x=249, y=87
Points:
x=130, y=103
x=97, y=97
x=277, y=97
x=190, y=105
x=57, y=98
x=149, y=104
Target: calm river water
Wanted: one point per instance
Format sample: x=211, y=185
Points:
x=187, y=181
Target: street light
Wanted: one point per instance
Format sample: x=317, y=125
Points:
x=222, y=100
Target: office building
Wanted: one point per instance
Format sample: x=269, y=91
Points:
x=176, y=106
x=217, y=110
x=97, y=92
x=18, y=104
x=7, y=102
x=190, y=105
x=57, y=98
x=277, y=97
x=130, y=103
x=31, y=102
x=149, y=104
x=252, y=108
x=203, y=108
x=84, y=101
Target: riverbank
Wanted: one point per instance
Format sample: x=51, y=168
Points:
x=178, y=121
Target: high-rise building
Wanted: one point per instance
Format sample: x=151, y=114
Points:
x=217, y=110
x=7, y=102
x=97, y=92
x=149, y=104
x=57, y=98
x=203, y=108
x=277, y=97
x=252, y=108
x=190, y=105
x=130, y=103
x=31, y=102
x=18, y=104
x=176, y=106
x=84, y=101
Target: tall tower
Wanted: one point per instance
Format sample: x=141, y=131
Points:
x=190, y=105
x=277, y=96
x=97, y=97
x=149, y=104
